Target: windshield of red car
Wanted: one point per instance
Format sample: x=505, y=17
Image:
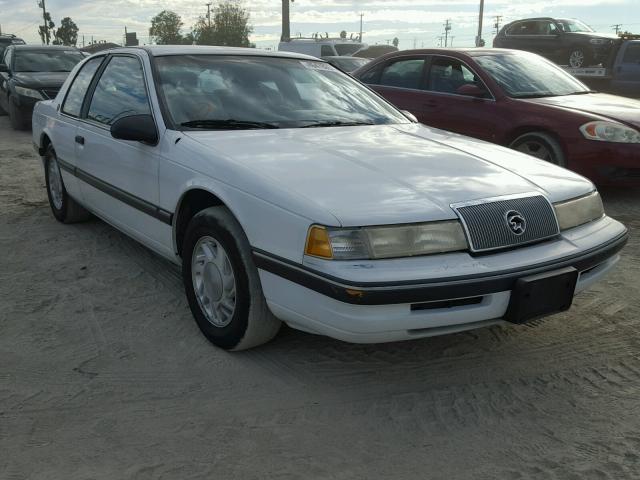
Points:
x=526, y=75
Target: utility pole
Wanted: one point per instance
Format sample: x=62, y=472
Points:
x=617, y=27
x=439, y=38
x=447, y=29
x=125, y=36
x=497, y=24
x=361, y=15
x=480, y=20
x=286, y=24
x=45, y=33
x=414, y=43
x=82, y=41
x=451, y=43
x=208, y=13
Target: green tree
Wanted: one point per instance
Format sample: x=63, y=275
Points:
x=45, y=33
x=67, y=33
x=343, y=34
x=165, y=28
x=230, y=26
x=203, y=33
x=396, y=42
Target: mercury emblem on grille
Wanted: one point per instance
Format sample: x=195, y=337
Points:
x=516, y=222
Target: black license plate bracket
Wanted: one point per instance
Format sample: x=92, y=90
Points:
x=542, y=294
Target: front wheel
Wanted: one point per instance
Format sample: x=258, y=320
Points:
x=222, y=283
x=64, y=208
x=540, y=145
x=579, y=58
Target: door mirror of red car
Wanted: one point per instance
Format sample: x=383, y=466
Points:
x=471, y=90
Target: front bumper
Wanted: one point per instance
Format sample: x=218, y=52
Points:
x=606, y=163
x=365, y=312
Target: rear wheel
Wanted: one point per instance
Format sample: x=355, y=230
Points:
x=63, y=207
x=540, y=145
x=222, y=283
x=18, y=119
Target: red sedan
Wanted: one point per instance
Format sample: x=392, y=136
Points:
x=516, y=99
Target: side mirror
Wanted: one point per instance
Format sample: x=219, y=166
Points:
x=410, y=116
x=471, y=90
x=4, y=68
x=137, y=128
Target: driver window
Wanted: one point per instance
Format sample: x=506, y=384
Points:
x=447, y=75
x=120, y=92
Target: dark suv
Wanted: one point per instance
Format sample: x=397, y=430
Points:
x=6, y=40
x=30, y=73
x=565, y=42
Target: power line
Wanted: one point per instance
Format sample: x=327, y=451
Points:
x=617, y=27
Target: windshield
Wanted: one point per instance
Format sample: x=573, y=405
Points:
x=573, y=26
x=347, y=48
x=46, y=61
x=525, y=75
x=205, y=91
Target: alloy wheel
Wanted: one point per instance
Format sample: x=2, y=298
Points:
x=55, y=183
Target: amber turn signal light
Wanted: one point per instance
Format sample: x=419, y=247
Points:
x=318, y=243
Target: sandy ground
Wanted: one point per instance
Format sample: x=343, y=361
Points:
x=104, y=375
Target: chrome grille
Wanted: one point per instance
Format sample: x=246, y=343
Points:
x=487, y=228
x=50, y=93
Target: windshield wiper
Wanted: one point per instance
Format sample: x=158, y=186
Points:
x=229, y=124
x=336, y=123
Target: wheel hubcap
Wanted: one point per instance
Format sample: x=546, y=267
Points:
x=55, y=183
x=536, y=149
x=214, y=282
x=576, y=59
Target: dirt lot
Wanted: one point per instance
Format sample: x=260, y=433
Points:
x=104, y=375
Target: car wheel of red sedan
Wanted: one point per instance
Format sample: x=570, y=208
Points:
x=540, y=145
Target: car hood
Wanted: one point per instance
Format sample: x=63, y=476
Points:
x=611, y=36
x=40, y=79
x=388, y=173
x=616, y=108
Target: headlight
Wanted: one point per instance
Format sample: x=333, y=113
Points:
x=579, y=211
x=29, y=92
x=385, y=242
x=604, y=131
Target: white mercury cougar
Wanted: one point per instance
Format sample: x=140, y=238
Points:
x=290, y=192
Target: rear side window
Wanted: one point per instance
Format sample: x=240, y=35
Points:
x=120, y=92
x=403, y=73
x=78, y=89
x=632, y=55
x=523, y=28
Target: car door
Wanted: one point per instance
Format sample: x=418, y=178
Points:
x=626, y=74
x=401, y=81
x=445, y=107
x=119, y=178
x=67, y=123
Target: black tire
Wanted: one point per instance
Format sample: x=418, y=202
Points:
x=579, y=58
x=69, y=211
x=536, y=144
x=18, y=119
x=251, y=323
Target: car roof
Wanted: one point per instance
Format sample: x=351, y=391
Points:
x=457, y=52
x=43, y=47
x=166, y=50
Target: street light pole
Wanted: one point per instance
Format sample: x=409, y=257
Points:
x=479, y=37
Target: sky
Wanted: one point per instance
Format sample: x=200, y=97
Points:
x=414, y=22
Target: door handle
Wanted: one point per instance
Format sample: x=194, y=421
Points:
x=79, y=139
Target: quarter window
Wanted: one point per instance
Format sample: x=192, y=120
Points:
x=73, y=103
x=403, y=73
x=120, y=92
x=326, y=51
